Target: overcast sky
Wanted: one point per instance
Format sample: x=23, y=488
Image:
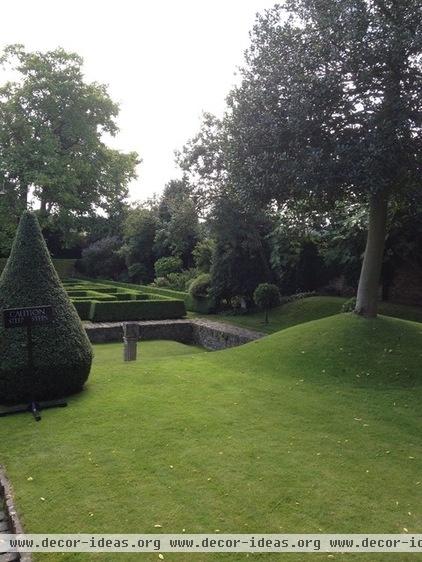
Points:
x=164, y=61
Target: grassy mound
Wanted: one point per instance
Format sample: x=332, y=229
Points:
x=312, y=308
x=62, y=352
x=286, y=315
x=313, y=429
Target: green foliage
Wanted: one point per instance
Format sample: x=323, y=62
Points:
x=266, y=296
x=202, y=306
x=62, y=352
x=200, y=287
x=178, y=230
x=349, y=305
x=7, y=223
x=127, y=302
x=179, y=281
x=137, y=310
x=83, y=308
x=328, y=110
x=102, y=258
x=51, y=128
x=65, y=267
x=310, y=273
x=139, y=233
x=202, y=255
x=166, y=265
x=241, y=256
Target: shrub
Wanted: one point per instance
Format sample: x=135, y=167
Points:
x=102, y=258
x=161, y=282
x=137, y=310
x=349, y=305
x=164, y=266
x=62, y=352
x=297, y=296
x=139, y=272
x=266, y=296
x=199, y=288
x=202, y=255
x=181, y=280
x=83, y=308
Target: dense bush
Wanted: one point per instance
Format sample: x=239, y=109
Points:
x=139, y=272
x=181, y=281
x=103, y=258
x=202, y=255
x=137, y=310
x=297, y=296
x=310, y=272
x=65, y=267
x=83, y=308
x=266, y=296
x=349, y=305
x=164, y=266
x=62, y=352
x=199, y=288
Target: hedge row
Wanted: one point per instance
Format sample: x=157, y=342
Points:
x=83, y=308
x=101, y=311
x=203, y=305
x=65, y=267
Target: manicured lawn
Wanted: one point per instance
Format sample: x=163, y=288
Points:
x=305, y=310
x=313, y=429
x=287, y=315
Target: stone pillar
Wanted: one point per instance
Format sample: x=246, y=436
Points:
x=130, y=340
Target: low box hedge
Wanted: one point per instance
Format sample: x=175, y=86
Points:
x=83, y=308
x=137, y=310
x=133, y=296
x=64, y=267
x=203, y=305
x=76, y=293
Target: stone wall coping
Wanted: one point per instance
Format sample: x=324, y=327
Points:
x=211, y=324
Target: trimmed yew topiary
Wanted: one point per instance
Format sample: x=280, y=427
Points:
x=62, y=352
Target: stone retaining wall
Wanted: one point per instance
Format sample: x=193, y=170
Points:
x=9, y=520
x=208, y=334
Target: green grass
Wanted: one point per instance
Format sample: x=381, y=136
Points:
x=285, y=316
x=313, y=429
x=305, y=310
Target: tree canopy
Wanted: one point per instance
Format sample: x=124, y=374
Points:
x=52, y=127
x=328, y=109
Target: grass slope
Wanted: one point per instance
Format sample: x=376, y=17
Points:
x=311, y=308
x=313, y=429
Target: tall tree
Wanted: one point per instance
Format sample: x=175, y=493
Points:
x=179, y=230
x=140, y=229
x=51, y=136
x=329, y=109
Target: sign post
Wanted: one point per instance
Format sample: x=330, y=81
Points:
x=28, y=318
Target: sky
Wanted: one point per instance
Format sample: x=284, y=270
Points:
x=164, y=61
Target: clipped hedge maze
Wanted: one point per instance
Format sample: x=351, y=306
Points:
x=100, y=302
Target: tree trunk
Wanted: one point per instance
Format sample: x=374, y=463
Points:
x=367, y=296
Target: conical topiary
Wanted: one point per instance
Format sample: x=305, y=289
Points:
x=62, y=352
